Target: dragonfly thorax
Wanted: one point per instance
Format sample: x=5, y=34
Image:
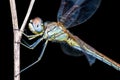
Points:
x=55, y=32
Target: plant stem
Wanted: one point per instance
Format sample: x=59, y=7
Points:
x=16, y=40
x=27, y=15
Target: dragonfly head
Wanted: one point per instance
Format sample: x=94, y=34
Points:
x=36, y=26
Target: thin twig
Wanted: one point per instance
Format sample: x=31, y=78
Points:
x=27, y=15
x=16, y=39
x=14, y=13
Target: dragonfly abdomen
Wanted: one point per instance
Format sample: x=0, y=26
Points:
x=90, y=51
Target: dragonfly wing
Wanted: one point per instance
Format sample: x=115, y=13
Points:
x=90, y=59
x=70, y=50
x=64, y=7
x=74, y=12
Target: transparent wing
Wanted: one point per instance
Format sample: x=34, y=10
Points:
x=70, y=50
x=74, y=12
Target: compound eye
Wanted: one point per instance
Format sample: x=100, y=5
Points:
x=36, y=25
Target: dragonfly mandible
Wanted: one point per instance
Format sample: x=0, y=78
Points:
x=70, y=14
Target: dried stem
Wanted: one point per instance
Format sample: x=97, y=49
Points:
x=16, y=39
x=18, y=35
x=27, y=15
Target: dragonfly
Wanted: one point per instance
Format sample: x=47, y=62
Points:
x=70, y=14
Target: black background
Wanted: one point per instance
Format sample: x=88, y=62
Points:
x=101, y=32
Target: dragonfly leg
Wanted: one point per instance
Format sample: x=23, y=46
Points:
x=39, y=58
x=30, y=37
x=32, y=46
